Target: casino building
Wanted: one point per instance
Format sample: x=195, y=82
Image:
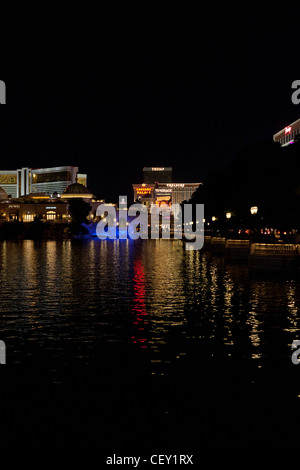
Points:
x=28, y=207
x=288, y=134
x=158, y=188
x=53, y=208
x=24, y=181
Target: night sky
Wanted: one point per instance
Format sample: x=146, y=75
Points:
x=117, y=94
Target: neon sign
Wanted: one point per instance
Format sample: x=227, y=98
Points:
x=143, y=190
x=287, y=130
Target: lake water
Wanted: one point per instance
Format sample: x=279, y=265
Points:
x=141, y=345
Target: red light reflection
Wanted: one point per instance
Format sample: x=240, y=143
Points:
x=139, y=307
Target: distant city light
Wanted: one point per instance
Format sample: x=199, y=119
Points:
x=254, y=210
x=213, y=218
x=228, y=215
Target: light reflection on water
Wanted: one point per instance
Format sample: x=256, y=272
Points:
x=69, y=298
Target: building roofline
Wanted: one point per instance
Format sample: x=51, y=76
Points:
x=282, y=130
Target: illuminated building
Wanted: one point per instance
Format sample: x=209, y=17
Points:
x=157, y=175
x=162, y=194
x=26, y=180
x=80, y=191
x=77, y=190
x=46, y=208
x=28, y=207
x=144, y=194
x=15, y=182
x=182, y=191
x=178, y=192
x=55, y=179
x=288, y=134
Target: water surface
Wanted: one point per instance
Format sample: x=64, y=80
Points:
x=128, y=332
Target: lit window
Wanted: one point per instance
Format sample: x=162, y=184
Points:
x=51, y=215
x=28, y=217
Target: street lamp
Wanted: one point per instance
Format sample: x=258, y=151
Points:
x=228, y=215
x=213, y=218
x=253, y=210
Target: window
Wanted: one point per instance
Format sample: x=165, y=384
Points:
x=28, y=217
x=51, y=215
x=51, y=177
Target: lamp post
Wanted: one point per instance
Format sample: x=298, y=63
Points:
x=254, y=210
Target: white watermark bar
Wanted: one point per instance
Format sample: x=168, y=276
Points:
x=154, y=222
x=2, y=352
x=2, y=92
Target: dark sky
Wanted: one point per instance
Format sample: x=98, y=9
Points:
x=117, y=94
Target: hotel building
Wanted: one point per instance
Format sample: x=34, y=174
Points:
x=157, y=175
x=288, y=134
x=182, y=191
x=162, y=193
x=17, y=183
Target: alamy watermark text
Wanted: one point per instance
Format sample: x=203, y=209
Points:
x=2, y=92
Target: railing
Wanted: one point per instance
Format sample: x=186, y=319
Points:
x=276, y=249
x=218, y=241
x=238, y=244
x=218, y=244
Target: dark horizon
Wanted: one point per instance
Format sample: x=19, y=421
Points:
x=115, y=100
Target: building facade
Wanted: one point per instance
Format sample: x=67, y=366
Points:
x=144, y=193
x=26, y=180
x=182, y=191
x=44, y=207
x=162, y=193
x=288, y=134
x=15, y=182
x=27, y=208
x=157, y=175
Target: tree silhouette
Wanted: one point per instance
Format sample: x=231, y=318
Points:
x=79, y=210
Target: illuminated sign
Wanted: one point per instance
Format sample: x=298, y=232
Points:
x=157, y=169
x=81, y=181
x=8, y=179
x=163, y=191
x=51, y=207
x=143, y=190
x=163, y=203
x=175, y=185
x=14, y=206
x=287, y=130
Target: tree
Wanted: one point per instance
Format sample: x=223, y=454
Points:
x=79, y=210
